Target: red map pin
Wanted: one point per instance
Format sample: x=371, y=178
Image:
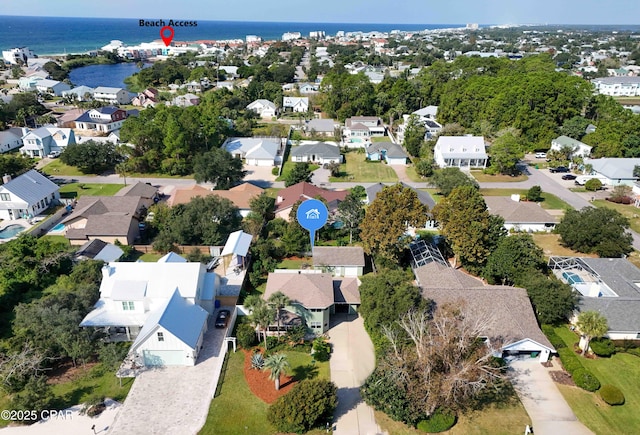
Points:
x=167, y=38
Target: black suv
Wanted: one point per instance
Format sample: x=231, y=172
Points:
x=559, y=169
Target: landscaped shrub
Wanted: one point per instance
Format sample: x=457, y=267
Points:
x=611, y=395
x=246, y=335
x=257, y=361
x=321, y=349
x=586, y=380
x=602, y=347
x=437, y=422
x=275, y=170
x=569, y=359
x=555, y=340
x=593, y=184
x=308, y=405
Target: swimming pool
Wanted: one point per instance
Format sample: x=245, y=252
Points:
x=58, y=227
x=10, y=231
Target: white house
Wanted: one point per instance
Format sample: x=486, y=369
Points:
x=265, y=108
x=614, y=171
x=464, y=152
x=295, y=104
x=520, y=216
x=54, y=87
x=10, y=140
x=27, y=195
x=103, y=120
x=80, y=93
x=617, y=86
x=186, y=100
x=578, y=148
x=358, y=126
x=111, y=95
x=318, y=152
x=321, y=127
x=256, y=151
x=17, y=56
x=339, y=260
x=139, y=300
x=41, y=141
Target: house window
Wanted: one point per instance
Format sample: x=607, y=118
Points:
x=4, y=197
x=160, y=336
x=316, y=325
x=128, y=305
x=316, y=310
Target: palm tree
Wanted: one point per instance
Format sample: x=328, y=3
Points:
x=279, y=300
x=252, y=302
x=261, y=317
x=591, y=324
x=277, y=364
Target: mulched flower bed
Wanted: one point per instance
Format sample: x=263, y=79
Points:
x=562, y=377
x=261, y=385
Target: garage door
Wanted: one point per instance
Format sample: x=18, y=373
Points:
x=164, y=357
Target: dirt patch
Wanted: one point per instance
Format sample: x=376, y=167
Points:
x=260, y=384
x=66, y=372
x=562, y=377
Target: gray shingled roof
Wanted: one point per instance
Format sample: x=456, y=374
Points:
x=338, y=256
x=320, y=149
x=311, y=290
x=392, y=150
x=517, y=212
x=423, y=196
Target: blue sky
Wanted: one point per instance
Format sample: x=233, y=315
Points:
x=346, y=11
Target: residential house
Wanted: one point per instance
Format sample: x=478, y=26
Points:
x=18, y=56
x=520, y=216
x=162, y=306
x=230, y=71
x=68, y=118
x=79, y=93
x=614, y=171
x=186, y=100
x=97, y=249
x=617, y=86
x=111, y=95
x=148, y=98
x=10, y=139
x=507, y=319
x=53, y=87
x=321, y=127
x=288, y=196
x=390, y=152
x=339, y=260
x=295, y=104
x=108, y=218
x=308, y=88
x=103, y=120
x=428, y=112
x=28, y=84
x=610, y=286
x=41, y=141
x=147, y=192
x=240, y=195
x=316, y=152
x=578, y=149
x=363, y=127
x=314, y=296
x=423, y=196
x=265, y=108
x=256, y=151
x=464, y=152
x=27, y=196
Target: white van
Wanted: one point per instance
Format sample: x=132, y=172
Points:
x=582, y=179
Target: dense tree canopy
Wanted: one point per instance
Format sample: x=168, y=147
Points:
x=553, y=301
x=219, y=167
x=448, y=179
x=514, y=257
x=598, y=230
x=505, y=153
x=299, y=173
x=14, y=164
x=91, y=157
x=386, y=219
x=414, y=135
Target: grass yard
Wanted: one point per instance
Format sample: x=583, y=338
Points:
x=150, y=257
x=235, y=410
x=629, y=211
x=481, y=177
x=294, y=263
x=272, y=191
x=380, y=139
x=621, y=370
x=413, y=175
x=434, y=194
x=57, y=239
x=76, y=190
x=550, y=244
x=288, y=167
x=550, y=201
x=56, y=168
x=492, y=420
x=357, y=169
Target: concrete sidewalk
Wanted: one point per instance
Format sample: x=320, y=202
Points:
x=352, y=361
x=549, y=412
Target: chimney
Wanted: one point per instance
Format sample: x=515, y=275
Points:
x=6, y=178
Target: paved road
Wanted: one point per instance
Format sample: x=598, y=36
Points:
x=549, y=412
x=352, y=361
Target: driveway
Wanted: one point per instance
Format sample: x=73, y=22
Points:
x=352, y=361
x=549, y=412
x=173, y=400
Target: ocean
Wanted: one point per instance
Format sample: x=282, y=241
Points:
x=56, y=35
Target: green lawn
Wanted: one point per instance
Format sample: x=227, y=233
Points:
x=57, y=239
x=380, y=139
x=629, y=211
x=550, y=201
x=288, y=166
x=294, y=263
x=487, y=178
x=76, y=190
x=550, y=244
x=56, y=167
x=357, y=169
x=235, y=410
x=413, y=175
x=272, y=191
x=150, y=257
x=621, y=370
x=434, y=194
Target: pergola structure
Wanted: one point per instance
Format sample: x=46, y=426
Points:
x=423, y=252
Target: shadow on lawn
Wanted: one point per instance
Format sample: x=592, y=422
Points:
x=301, y=373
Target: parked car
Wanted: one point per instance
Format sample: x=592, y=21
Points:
x=559, y=169
x=541, y=155
x=569, y=177
x=54, y=154
x=222, y=320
